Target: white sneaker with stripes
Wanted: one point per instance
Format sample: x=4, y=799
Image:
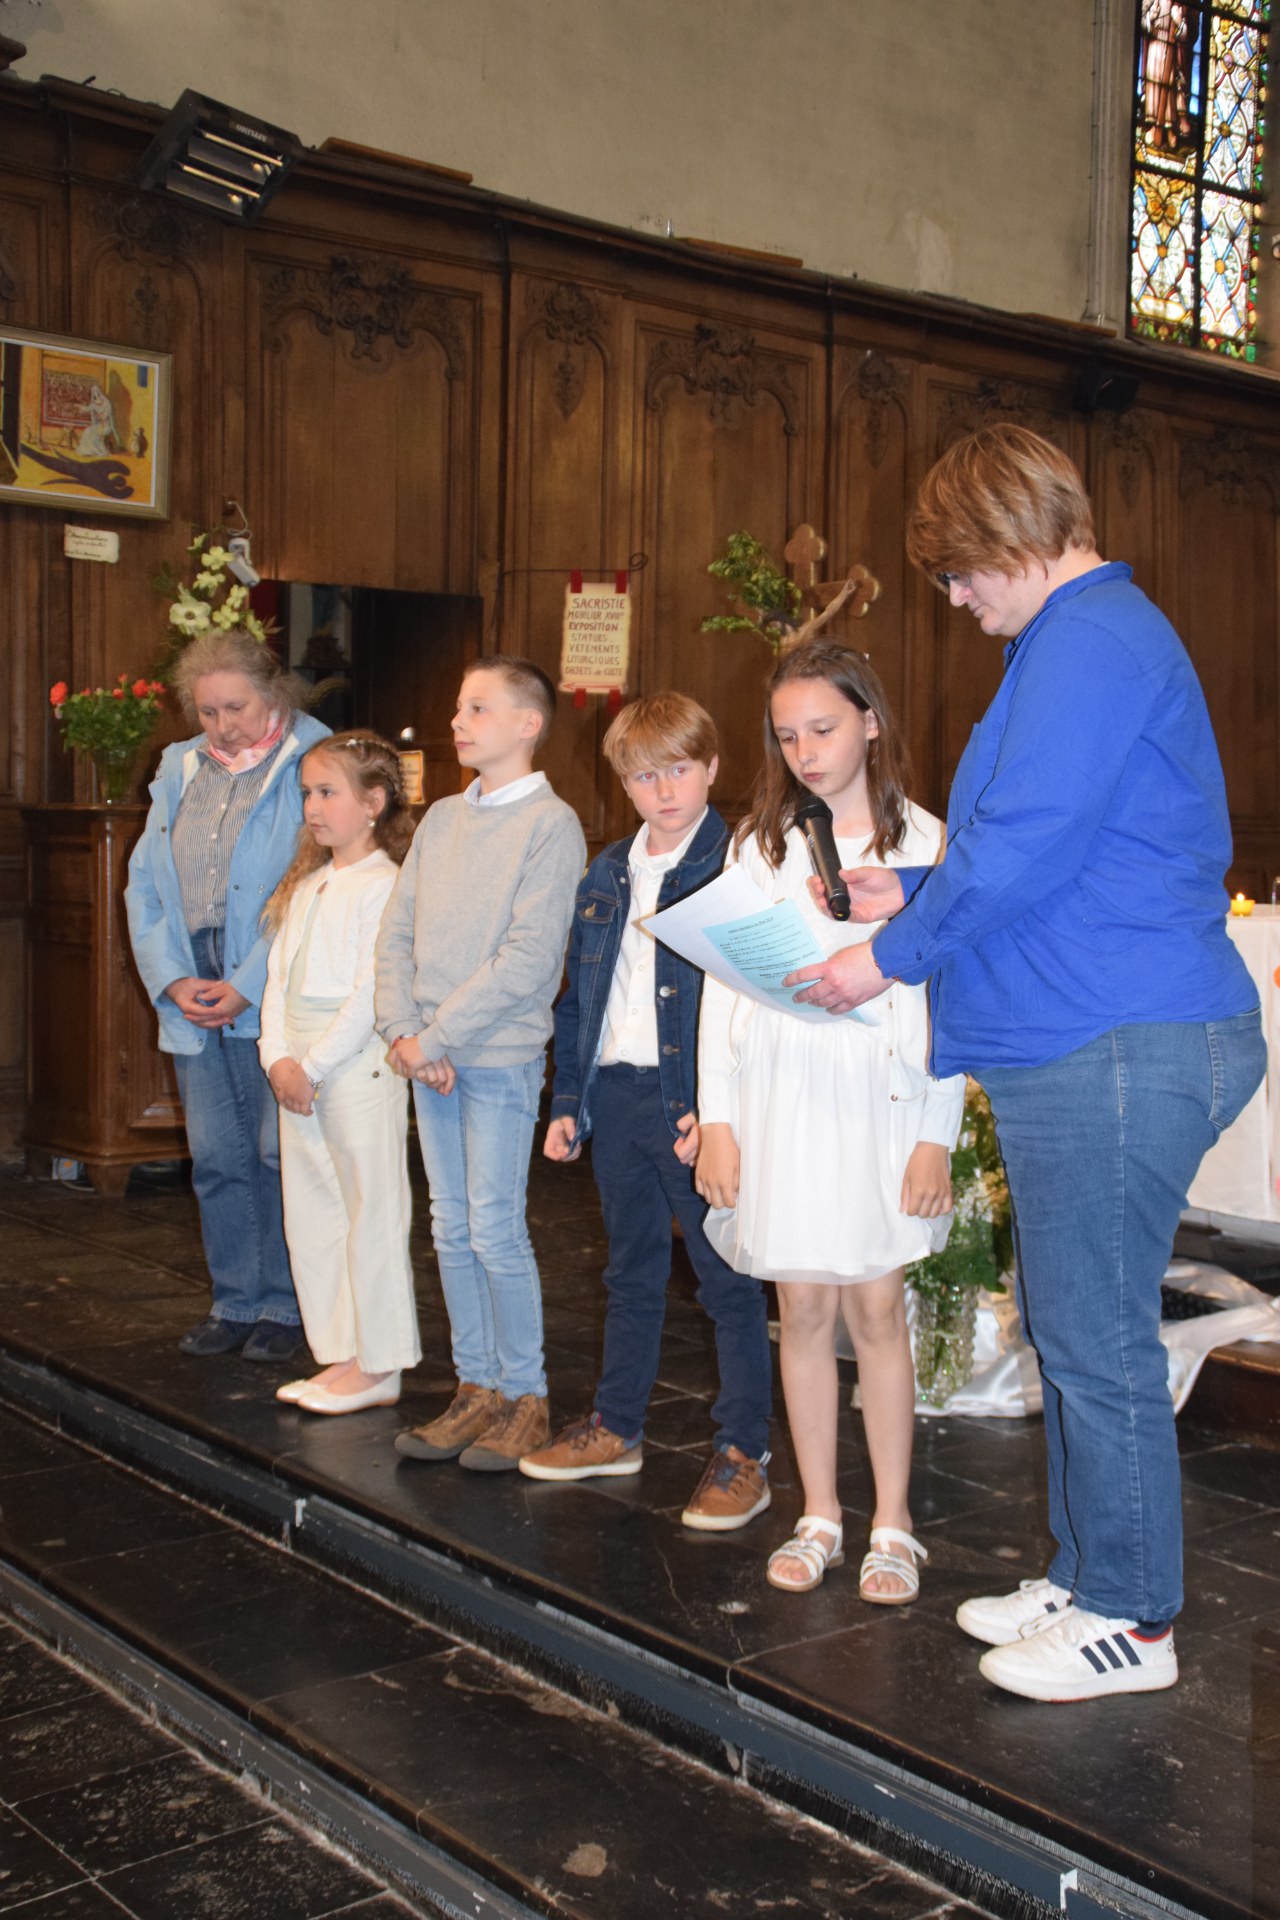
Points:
x=1082, y=1656
x=998, y=1618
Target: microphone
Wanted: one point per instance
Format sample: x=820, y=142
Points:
x=814, y=822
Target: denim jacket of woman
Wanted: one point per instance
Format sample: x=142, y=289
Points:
x=599, y=920
x=153, y=897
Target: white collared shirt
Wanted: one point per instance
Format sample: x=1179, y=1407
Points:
x=514, y=790
x=630, y=1033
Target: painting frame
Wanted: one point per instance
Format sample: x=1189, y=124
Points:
x=85, y=425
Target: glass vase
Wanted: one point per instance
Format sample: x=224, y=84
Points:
x=113, y=769
x=944, y=1332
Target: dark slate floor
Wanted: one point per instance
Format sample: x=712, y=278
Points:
x=104, y=1815
x=1179, y=1791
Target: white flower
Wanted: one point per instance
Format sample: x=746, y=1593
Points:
x=237, y=596
x=189, y=617
x=206, y=582
x=217, y=557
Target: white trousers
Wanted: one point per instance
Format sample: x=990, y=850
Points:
x=344, y=1171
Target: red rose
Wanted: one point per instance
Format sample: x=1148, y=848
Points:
x=117, y=693
x=140, y=689
x=84, y=693
x=156, y=686
x=58, y=693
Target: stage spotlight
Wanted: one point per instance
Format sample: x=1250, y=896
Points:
x=224, y=160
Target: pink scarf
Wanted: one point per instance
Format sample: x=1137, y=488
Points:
x=249, y=756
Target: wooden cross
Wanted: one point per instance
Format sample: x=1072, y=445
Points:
x=854, y=594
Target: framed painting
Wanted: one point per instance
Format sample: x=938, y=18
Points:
x=83, y=425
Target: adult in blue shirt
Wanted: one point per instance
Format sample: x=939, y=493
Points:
x=1075, y=940
x=226, y=810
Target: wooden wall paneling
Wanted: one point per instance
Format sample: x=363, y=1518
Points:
x=361, y=420
x=730, y=430
x=872, y=483
x=1129, y=476
x=1227, y=499
x=567, y=470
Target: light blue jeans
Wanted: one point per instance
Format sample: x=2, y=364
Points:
x=475, y=1147
x=233, y=1131
x=1101, y=1147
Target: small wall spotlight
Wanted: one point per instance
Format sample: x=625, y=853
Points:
x=223, y=159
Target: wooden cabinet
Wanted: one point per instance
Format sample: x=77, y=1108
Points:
x=98, y=1088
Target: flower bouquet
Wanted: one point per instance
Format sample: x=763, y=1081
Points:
x=212, y=601
x=979, y=1249
x=110, y=724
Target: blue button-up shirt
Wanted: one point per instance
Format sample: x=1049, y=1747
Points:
x=1087, y=839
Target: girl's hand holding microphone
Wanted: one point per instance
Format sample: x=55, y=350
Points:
x=716, y=1177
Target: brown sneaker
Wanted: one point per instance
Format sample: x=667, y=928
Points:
x=582, y=1451
x=471, y=1410
x=732, y=1491
x=519, y=1427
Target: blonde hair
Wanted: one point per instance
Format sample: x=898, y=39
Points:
x=237, y=652
x=995, y=500
x=372, y=765
x=777, y=793
x=657, y=731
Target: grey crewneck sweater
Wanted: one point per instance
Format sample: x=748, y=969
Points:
x=471, y=948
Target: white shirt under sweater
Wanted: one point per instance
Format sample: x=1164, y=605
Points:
x=629, y=1036
x=471, y=950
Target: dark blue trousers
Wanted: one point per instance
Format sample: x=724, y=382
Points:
x=641, y=1185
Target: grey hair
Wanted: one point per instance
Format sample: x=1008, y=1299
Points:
x=237, y=652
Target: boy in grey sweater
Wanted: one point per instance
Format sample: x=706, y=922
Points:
x=469, y=960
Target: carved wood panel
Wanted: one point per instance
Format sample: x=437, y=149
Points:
x=1128, y=477
x=729, y=431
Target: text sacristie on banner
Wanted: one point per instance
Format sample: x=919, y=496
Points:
x=597, y=636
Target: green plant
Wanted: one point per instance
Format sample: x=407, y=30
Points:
x=980, y=1246
x=769, y=601
x=108, y=722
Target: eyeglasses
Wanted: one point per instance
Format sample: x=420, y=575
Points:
x=948, y=580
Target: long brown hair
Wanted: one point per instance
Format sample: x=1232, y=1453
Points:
x=777, y=793
x=370, y=764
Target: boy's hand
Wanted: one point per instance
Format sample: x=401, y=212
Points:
x=562, y=1142
x=405, y=1056
x=718, y=1161
x=926, y=1187
x=291, y=1087
x=439, y=1074
x=687, y=1147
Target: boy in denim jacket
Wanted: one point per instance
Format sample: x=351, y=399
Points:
x=625, y=1060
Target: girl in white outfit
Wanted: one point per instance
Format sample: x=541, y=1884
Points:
x=826, y=1148
x=343, y=1112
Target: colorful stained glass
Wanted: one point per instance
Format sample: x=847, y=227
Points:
x=1197, y=178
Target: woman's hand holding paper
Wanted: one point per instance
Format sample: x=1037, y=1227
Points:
x=841, y=983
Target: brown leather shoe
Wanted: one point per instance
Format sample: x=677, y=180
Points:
x=583, y=1450
x=733, y=1490
x=521, y=1426
x=471, y=1410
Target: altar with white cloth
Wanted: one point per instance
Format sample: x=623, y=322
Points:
x=1236, y=1186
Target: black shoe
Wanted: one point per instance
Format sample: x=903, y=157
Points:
x=214, y=1336
x=272, y=1340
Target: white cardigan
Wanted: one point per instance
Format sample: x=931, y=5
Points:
x=901, y=1017
x=339, y=961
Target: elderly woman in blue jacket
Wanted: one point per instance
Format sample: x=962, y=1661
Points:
x=1075, y=941
x=225, y=814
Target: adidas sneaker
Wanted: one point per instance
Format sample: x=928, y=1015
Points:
x=998, y=1618
x=1081, y=1657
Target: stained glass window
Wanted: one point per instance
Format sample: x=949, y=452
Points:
x=1199, y=130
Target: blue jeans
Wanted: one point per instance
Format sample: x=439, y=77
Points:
x=641, y=1185
x=233, y=1131
x=475, y=1147
x=1101, y=1147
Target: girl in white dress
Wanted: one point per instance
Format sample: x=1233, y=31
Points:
x=343, y=1112
x=826, y=1149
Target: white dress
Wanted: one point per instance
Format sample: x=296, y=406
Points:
x=826, y=1115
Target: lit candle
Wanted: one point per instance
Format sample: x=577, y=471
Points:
x=1241, y=907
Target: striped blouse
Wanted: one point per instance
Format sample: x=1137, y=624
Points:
x=210, y=816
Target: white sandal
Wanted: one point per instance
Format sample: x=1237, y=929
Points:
x=879, y=1560
x=808, y=1548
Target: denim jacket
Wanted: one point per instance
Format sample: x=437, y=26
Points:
x=599, y=918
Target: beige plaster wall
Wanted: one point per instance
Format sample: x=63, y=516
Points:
x=934, y=145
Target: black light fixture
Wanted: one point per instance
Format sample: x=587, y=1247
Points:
x=219, y=157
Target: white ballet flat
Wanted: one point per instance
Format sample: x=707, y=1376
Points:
x=320, y=1400
x=292, y=1391
x=878, y=1560
x=806, y=1546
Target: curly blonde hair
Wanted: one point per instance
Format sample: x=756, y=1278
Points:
x=371, y=765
